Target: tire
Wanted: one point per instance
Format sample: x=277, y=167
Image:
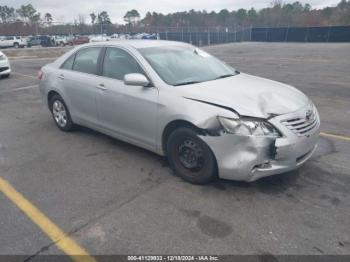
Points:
x=190, y=157
x=60, y=114
x=16, y=45
x=5, y=76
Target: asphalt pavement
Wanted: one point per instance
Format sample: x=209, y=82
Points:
x=114, y=198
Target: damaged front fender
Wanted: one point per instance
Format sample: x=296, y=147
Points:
x=238, y=156
x=248, y=158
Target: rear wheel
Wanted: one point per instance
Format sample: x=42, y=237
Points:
x=15, y=45
x=60, y=114
x=190, y=157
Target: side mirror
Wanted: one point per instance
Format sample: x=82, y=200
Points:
x=136, y=79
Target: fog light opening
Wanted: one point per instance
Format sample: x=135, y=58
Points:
x=263, y=165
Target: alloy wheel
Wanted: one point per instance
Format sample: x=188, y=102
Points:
x=59, y=113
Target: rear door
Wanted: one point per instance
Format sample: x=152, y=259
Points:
x=79, y=77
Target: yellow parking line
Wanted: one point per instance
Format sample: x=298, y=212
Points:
x=346, y=138
x=63, y=241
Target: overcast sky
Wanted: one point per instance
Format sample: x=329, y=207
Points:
x=68, y=10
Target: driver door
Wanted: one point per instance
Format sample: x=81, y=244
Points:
x=127, y=111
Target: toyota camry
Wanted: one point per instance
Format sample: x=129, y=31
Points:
x=177, y=100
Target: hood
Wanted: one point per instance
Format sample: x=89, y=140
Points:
x=248, y=95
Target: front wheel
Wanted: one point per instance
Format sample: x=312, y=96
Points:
x=60, y=114
x=190, y=157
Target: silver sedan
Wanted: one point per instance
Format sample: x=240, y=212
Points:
x=178, y=101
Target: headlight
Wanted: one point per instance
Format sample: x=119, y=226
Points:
x=3, y=57
x=248, y=127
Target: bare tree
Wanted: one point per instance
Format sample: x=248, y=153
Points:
x=81, y=19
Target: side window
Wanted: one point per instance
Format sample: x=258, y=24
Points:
x=118, y=63
x=68, y=64
x=86, y=60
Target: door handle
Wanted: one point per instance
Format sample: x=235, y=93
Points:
x=102, y=87
x=61, y=77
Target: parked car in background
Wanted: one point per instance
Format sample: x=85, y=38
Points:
x=5, y=68
x=33, y=41
x=123, y=36
x=150, y=36
x=42, y=40
x=12, y=41
x=179, y=101
x=79, y=40
x=136, y=36
x=143, y=36
x=61, y=40
x=99, y=38
x=114, y=36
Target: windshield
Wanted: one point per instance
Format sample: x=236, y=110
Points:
x=180, y=65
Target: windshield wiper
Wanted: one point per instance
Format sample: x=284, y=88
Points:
x=187, y=83
x=224, y=76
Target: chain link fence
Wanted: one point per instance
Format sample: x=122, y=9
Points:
x=207, y=36
x=301, y=34
x=259, y=34
x=199, y=36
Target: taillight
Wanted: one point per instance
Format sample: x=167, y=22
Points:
x=40, y=74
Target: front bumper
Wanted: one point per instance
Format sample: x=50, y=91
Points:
x=5, y=68
x=248, y=158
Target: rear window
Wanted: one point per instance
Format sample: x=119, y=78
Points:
x=86, y=60
x=68, y=64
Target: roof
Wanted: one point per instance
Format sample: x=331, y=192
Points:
x=141, y=43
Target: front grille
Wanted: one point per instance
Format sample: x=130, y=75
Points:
x=2, y=69
x=303, y=126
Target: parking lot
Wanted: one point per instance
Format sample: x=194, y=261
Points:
x=114, y=198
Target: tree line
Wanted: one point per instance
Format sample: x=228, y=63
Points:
x=277, y=14
x=25, y=14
